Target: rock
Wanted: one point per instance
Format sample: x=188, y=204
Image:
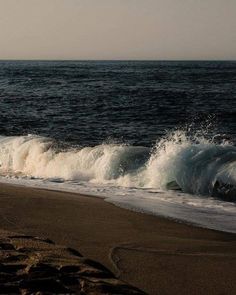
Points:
x=224, y=191
x=30, y=265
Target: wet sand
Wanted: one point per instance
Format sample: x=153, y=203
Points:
x=155, y=254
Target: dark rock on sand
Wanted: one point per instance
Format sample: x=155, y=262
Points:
x=46, y=268
x=224, y=191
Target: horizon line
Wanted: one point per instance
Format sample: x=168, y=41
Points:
x=114, y=60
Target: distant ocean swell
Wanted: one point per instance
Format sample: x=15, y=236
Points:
x=195, y=166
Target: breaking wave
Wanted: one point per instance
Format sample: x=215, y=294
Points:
x=192, y=165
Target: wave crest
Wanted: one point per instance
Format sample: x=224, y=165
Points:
x=195, y=165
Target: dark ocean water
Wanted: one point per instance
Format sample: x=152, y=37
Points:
x=87, y=103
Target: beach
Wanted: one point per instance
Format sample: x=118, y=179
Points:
x=157, y=255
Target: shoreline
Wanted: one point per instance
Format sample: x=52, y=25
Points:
x=176, y=213
x=155, y=254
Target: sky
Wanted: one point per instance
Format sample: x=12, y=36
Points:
x=118, y=29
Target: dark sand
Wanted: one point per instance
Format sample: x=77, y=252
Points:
x=155, y=254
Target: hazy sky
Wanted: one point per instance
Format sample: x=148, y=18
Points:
x=118, y=29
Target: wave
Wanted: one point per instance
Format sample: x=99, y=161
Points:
x=192, y=165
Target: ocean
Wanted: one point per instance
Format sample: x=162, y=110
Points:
x=155, y=137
